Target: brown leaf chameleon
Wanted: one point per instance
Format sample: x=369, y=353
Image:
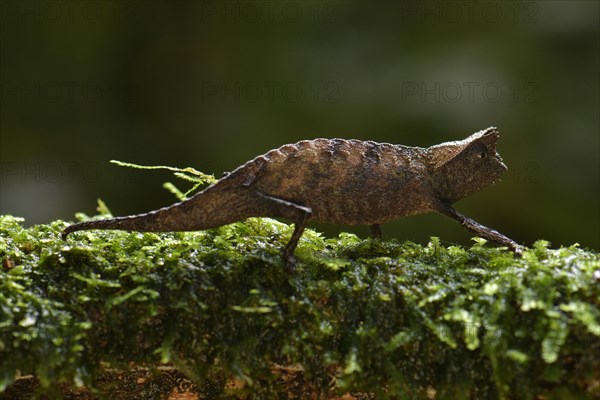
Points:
x=342, y=181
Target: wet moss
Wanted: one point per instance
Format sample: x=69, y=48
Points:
x=386, y=318
x=375, y=316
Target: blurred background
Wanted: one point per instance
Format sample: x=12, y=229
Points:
x=213, y=84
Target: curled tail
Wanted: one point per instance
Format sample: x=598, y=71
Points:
x=215, y=206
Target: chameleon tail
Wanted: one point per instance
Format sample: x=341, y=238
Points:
x=213, y=207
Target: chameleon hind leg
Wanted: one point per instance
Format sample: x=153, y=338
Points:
x=299, y=214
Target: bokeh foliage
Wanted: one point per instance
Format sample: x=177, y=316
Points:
x=148, y=81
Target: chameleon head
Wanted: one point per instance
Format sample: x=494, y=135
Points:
x=461, y=168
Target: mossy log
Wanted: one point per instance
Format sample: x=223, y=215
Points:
x=358, y=318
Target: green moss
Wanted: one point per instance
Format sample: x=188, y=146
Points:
x=390, y=318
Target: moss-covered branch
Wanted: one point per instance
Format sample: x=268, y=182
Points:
x=383, y=317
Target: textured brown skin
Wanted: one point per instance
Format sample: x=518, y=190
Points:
x=340, y=181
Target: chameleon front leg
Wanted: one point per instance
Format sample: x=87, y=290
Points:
x=299, y=214
x=376, y=231
x=478, y=229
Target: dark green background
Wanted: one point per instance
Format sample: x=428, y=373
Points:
x=86, y=82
